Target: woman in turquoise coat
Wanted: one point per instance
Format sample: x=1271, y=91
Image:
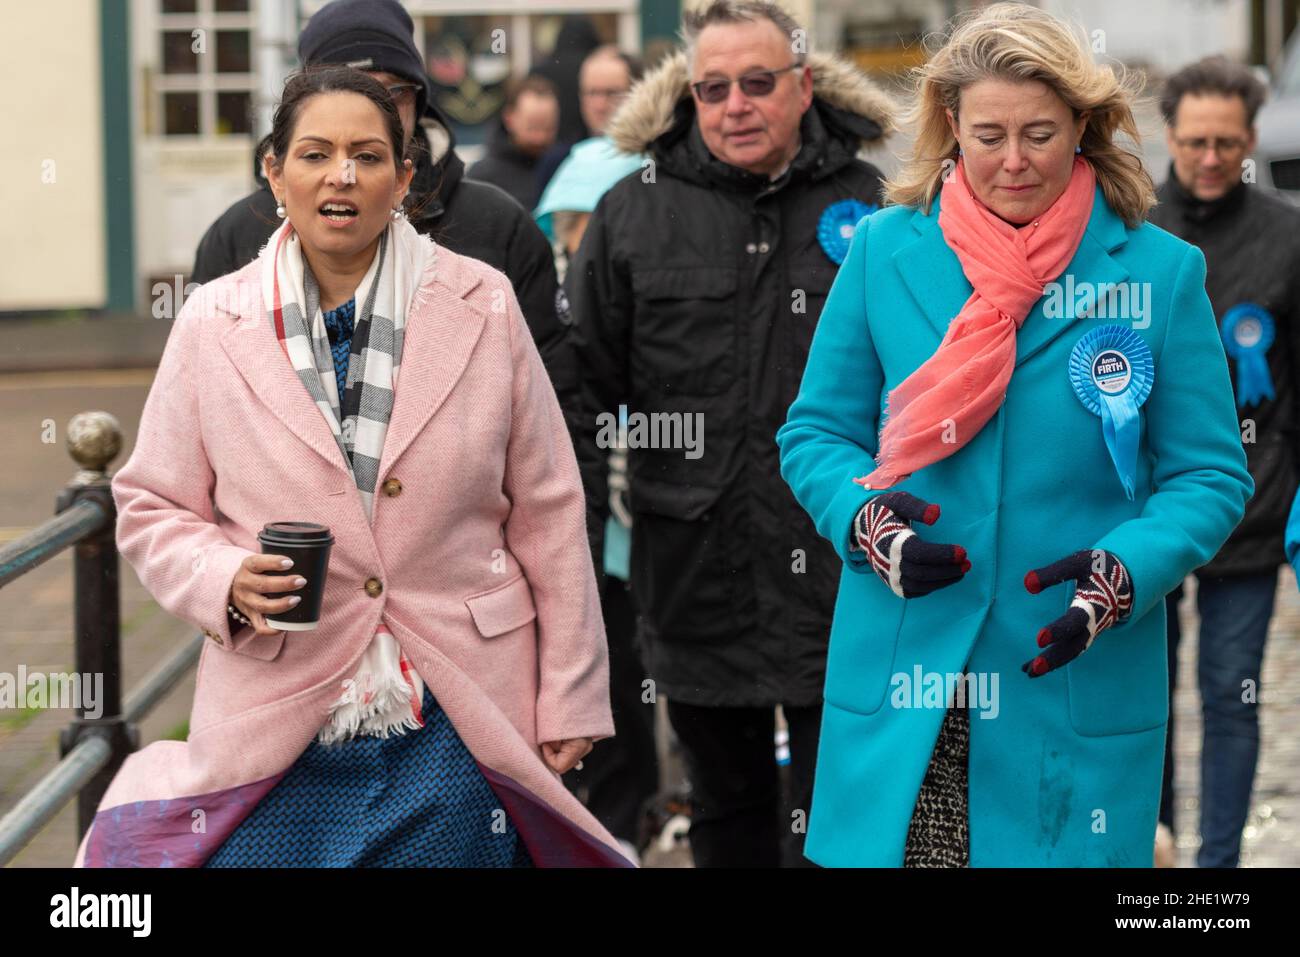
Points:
x=1063, y=451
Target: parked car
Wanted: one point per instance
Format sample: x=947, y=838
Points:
x=1278, y=123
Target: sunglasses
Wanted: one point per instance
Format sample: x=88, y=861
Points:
x=758, y=83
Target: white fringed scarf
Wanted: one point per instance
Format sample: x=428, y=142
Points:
x=386, y=693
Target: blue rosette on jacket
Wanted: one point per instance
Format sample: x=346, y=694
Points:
x=1111, y=369
x=836, y=224
x=1248, y=330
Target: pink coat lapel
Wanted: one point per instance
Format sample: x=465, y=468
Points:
x=441, y=331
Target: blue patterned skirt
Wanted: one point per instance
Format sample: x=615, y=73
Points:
x=412, y=800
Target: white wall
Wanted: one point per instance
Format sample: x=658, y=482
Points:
x=1164, y=34
x=182, y=184
x=52, y=253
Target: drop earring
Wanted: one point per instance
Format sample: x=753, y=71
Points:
x=960, y=151
x=281, y=211
x=1078, y=150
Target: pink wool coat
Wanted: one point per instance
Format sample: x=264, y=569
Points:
x=478, y=545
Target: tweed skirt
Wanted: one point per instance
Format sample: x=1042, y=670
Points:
x=939, y=832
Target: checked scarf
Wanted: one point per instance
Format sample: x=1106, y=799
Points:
x=385, y=695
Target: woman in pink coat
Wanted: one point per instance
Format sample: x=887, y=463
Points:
x=359, y=377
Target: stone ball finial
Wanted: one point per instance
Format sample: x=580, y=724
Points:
x=94, y=440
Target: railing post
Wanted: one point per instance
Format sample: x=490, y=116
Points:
x=94, y=440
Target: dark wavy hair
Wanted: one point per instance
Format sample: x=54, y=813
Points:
x=1215, y=75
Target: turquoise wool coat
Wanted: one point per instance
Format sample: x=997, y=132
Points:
x=1064, y=769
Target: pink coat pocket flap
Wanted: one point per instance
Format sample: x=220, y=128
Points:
x=504, y=608
x=262, y=647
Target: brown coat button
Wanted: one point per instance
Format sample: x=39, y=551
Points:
x=374, y=587
x=392, y=488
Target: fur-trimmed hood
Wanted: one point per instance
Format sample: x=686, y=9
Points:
x=651, y=109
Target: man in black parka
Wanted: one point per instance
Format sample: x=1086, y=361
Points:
x=470, y=218
x=695, y=294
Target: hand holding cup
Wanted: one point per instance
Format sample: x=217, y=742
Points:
x=250, y=587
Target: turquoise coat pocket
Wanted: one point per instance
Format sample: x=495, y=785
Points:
x=1120, y=684
x=864, y=634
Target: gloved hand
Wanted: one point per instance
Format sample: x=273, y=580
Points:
x=1103, y=596
x=909, y=565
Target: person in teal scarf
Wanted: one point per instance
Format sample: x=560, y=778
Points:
x=1012, y=486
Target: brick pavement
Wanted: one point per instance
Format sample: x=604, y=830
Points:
x=1272, y=834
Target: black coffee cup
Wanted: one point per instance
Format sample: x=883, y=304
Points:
x=308, y=544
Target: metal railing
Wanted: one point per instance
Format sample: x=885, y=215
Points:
x=91, y=749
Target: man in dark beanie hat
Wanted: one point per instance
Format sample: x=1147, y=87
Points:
x=371, y=35
x=471, y=218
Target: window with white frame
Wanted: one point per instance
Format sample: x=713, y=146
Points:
x=204, y=81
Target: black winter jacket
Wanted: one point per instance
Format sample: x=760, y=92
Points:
x=1251, y=242
x=508, y=168
x=695, y=293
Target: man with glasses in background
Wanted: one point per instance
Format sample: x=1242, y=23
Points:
x=606, y=76
x=695, y=293
x=587, y=168
x=1249, y=239
x=470, y=218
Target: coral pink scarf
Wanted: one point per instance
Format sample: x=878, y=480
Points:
x=948, y=399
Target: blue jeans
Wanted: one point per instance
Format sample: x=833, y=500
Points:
x=1234, y=624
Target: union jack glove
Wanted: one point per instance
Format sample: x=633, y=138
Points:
x=1103, y=596
x=909, y=565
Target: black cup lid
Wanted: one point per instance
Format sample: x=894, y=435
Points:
x=296, y=532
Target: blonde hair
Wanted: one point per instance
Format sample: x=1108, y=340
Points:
x=1016, y=42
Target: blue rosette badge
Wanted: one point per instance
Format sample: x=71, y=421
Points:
x=836, y=225
x=1248, y=330
x=1111, y=370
